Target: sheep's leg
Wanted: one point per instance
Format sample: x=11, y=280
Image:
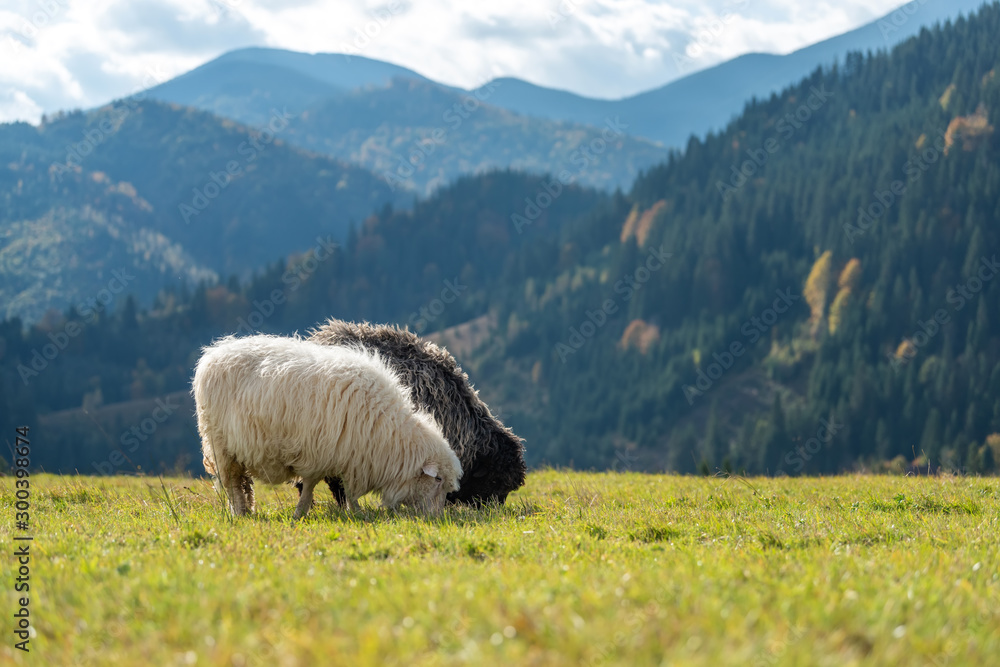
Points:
x=306, y=499
x=337, y=489
x=235, y=488
x=353, y=504
x=247, y=484
x=231, y=473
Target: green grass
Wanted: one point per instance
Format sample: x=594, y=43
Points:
x=577, y=568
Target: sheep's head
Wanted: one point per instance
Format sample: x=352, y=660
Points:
x=438, y=475
x=427, y=491
x=494, y=472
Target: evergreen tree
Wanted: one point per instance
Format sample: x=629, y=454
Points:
x=714, y=445
x=776, y=442
x=930, y=441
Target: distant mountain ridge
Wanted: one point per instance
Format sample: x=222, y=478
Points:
x=258, y=79
x=414, y=133
x=692, y=105
x=708, y=99
x=417, y=135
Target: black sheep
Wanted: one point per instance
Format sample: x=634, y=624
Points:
x=492, y=456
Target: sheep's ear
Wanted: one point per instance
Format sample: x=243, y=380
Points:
x=431, y=469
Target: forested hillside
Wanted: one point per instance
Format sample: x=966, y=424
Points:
x=172, y=194
x=435, y=266
x=869, y=196
x=419, y=135
x=415, y=134
x=809, y=290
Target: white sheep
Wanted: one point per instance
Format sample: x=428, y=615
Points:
x=278, y=408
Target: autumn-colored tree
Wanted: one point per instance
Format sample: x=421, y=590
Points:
x=817, y=288
x=837, y=309
x=628, y=229
x=850, y=275
x=640, y=335
x=848, y=280
x=906, y=349
x=993, y=443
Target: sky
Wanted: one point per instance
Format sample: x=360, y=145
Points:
x=65, y=54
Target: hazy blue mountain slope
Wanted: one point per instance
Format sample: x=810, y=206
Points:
x=418, y=135
x=178, y=193
x=277, y=200
x=708, y=99
x=244, y=91
x=337, y=69
x=81, y=236
x=246, y=84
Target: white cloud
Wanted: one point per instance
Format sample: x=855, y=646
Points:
x=57, y=54
x=16, y=105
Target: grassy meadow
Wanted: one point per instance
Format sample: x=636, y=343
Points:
x=577, y=568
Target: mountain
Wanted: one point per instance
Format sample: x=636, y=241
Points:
x=417, y=135
x=708, y=99
x=828, y=302
x=247, y=84
x=175, y=194
x=420, y=136
x=70, y=241
x=811, y=289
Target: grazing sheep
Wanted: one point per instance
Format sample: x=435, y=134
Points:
x=491, y=455
x=278, y=408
